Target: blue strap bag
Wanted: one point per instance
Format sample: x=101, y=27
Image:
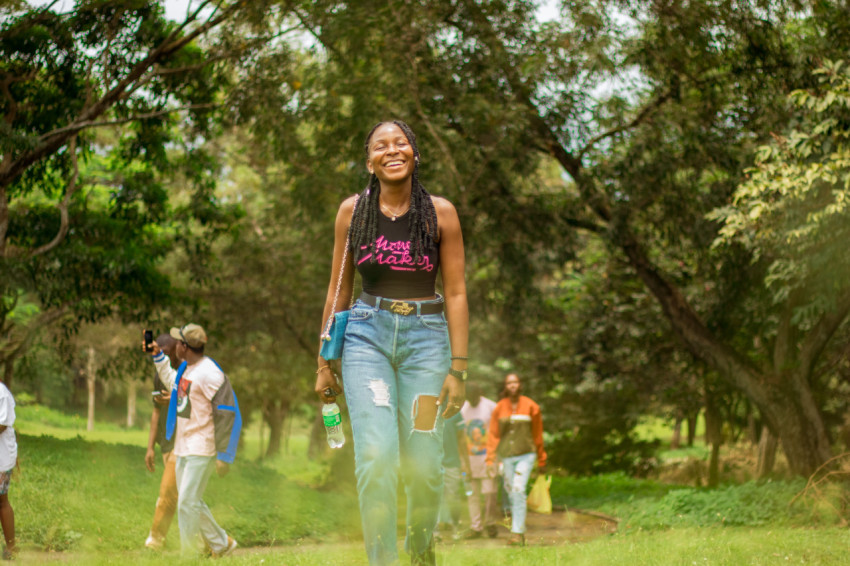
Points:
x=333, y=336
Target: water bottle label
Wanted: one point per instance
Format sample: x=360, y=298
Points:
x=334, y=419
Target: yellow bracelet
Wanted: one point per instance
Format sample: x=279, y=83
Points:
x=321, y=368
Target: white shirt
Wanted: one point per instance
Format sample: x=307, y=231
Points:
x=477, y=421
x=195, y=435
x=8, y=441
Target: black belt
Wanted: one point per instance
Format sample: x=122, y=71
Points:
x=403, y=307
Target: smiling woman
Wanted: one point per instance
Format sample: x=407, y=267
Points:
x=404, y=360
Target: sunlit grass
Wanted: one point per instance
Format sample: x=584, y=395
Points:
x=90, y=492
x=675, y=547
x=85, y=498
x=656, y=428
x=37, y=420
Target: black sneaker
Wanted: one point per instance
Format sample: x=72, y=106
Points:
x=473, y=534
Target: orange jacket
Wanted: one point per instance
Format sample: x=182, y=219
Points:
x=522, y=430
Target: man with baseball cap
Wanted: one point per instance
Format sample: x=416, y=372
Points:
x=204, y=411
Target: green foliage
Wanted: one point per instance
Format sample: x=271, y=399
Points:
x=605, y=492
x=92, y=132
x=603, y=440
x=792, y=213
x=45, y=375
x=750, y=504
x=646, y=504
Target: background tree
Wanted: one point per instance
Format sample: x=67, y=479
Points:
x=651, y=110
x=91, y=100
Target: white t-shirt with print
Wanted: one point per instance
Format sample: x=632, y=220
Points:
x=195, y=427
x=477, y=421
x=8, y=441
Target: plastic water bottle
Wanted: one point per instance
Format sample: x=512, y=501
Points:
x=333, y=425
x=467, y=487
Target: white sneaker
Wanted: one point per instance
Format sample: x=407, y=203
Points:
x=154, y=543
x=231, y=546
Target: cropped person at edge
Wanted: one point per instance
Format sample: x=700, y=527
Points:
x=404, y=359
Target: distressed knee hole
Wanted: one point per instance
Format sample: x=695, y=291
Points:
x=425, y=413
x=380, y=393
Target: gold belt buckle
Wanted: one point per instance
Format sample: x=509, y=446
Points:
x=401, y=307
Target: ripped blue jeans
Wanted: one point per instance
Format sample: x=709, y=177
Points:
x=390, y=364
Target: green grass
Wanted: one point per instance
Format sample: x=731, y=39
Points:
x=86, y=498
x=37, y=420
x=90, y=491
x=675, y=547
x=656, y=428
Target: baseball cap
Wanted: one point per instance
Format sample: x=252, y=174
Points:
x=192, y=334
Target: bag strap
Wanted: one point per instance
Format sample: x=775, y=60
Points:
x=326, y=335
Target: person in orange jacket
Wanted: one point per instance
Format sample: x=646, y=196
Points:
x=516, y=437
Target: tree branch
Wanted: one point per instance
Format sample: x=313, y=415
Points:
x=63, y=206
x=640, y=117
x=584, y=225
x=14, y=346
x=688, y=325
x=411, y=57
x=167, y=48
x=822, y=332
x=82, y=126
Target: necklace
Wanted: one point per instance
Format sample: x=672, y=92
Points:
x=395, y=215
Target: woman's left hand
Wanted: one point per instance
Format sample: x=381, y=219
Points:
x=452, y=396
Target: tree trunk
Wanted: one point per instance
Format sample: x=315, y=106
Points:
x=714, y=466
x=767, y=453
x=692, y=429
x=785, y=401
x=752, y=427
x=318, y=445
x=91, y=371
x=275, y=415
x=131, y=403
x=8, y=371
x=262, y=422
x=676, y=441
x=714, y=437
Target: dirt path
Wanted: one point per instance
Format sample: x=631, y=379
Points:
x=562, y=526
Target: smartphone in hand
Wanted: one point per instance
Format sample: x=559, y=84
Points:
x=148, y=341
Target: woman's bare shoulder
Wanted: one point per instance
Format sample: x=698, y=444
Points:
x=347, y=205
x=443, y=205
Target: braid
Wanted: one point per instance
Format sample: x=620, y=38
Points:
x=364, y=222
x=422, y=219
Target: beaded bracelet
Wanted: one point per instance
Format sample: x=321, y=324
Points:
x=321, y=368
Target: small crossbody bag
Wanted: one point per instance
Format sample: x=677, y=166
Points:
x=333, y=335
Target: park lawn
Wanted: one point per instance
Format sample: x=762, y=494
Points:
x=93, y=493
x=85, y=498
x=716, y=546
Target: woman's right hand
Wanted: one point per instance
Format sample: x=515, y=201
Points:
x=326, y=383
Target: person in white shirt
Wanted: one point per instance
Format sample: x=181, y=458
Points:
x=476, y=413
x=195, y=443
x=8, y=460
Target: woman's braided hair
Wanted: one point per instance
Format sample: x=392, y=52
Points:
x=422, y=219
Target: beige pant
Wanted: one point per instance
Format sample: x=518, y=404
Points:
x=485, y=488
x=166, y=503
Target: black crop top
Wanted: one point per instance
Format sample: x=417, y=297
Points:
x=393, y=274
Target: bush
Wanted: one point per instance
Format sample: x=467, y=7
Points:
x=750, y=504
x=605, y=492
